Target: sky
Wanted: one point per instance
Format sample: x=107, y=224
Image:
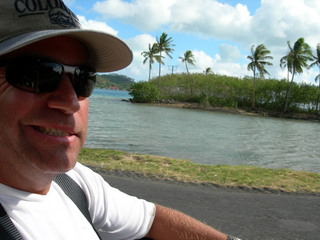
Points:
x=220, y=33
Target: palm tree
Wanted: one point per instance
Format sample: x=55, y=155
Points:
x=188, y=58
x=317, y=78
x=284, y=63
x=151, y=56
x=258, y=58
x=296, y=60
x=208, y=71
x=164, y=45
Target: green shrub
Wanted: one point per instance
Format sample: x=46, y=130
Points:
x=144, y=92
x=221, y=90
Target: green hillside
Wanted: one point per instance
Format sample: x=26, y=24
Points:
x=114, y=80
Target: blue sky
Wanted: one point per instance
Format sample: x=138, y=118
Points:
x=220, y=33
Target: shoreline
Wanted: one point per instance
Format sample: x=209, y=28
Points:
x=240, y=111
x=207, y=185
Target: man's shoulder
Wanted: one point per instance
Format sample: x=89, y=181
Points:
x=80, y=171
x=86, y=178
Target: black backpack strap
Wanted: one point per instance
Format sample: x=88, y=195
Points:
x=7, y=229
x=76, y=194
x=9, y=232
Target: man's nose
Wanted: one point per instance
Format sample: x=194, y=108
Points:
x=64, y=98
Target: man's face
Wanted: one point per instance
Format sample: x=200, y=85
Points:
x=43, y=132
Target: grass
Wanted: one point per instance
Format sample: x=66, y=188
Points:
x=184, y=170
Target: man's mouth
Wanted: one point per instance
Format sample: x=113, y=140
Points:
x=52, y=131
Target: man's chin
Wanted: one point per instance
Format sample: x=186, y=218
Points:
x=57, y=167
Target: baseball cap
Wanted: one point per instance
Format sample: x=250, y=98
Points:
x=23, y=22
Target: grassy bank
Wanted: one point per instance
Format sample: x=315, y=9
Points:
x=184, y=170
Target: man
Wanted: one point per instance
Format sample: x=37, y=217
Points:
x=47, y=73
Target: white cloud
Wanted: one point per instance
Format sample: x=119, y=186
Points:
x=308, y=76
x=202, y=61
x=95, y=25
x=274, y=23
x=279, y=21
x=139, y=44
x=204, y=17
x=210, y=18
x=231, y=69
x=145, y=15
x=229, y=53
x=115, y=8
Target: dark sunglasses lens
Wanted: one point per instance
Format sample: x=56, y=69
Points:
x=50, y=75
x=84, y=81
x=36, y=77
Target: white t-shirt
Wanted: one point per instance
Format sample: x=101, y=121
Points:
x=55, y=216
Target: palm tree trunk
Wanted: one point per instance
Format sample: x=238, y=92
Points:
x=288, y=93
x=159, y=70
x=186, y=67
x=317, y=103
x=318, y=98
x=254, y=90
x=150, y=66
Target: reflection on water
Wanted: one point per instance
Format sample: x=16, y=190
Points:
x=203, y=137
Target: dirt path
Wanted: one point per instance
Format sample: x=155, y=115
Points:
x=248, y=215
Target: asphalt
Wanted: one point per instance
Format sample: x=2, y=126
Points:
x=250, y=215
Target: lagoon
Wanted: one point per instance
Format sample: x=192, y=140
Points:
x=200, y=136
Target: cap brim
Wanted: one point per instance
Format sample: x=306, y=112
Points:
x=107, y=53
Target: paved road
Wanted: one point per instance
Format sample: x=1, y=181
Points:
x=247, y=215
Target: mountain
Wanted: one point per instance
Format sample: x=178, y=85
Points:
x=114, y=81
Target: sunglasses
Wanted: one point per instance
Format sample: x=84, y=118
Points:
x=43, y=76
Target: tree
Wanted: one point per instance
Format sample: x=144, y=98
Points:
x=164, y=44
x=208, y=71
x=151, y=56
x=144, y=92
x=285, y=64
x=296, y=60
x=188, y=58
x=258, y=58
x=316, y=63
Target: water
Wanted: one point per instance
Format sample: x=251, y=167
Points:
x=202, y=137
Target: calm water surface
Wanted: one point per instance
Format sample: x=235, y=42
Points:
x=203, y=137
